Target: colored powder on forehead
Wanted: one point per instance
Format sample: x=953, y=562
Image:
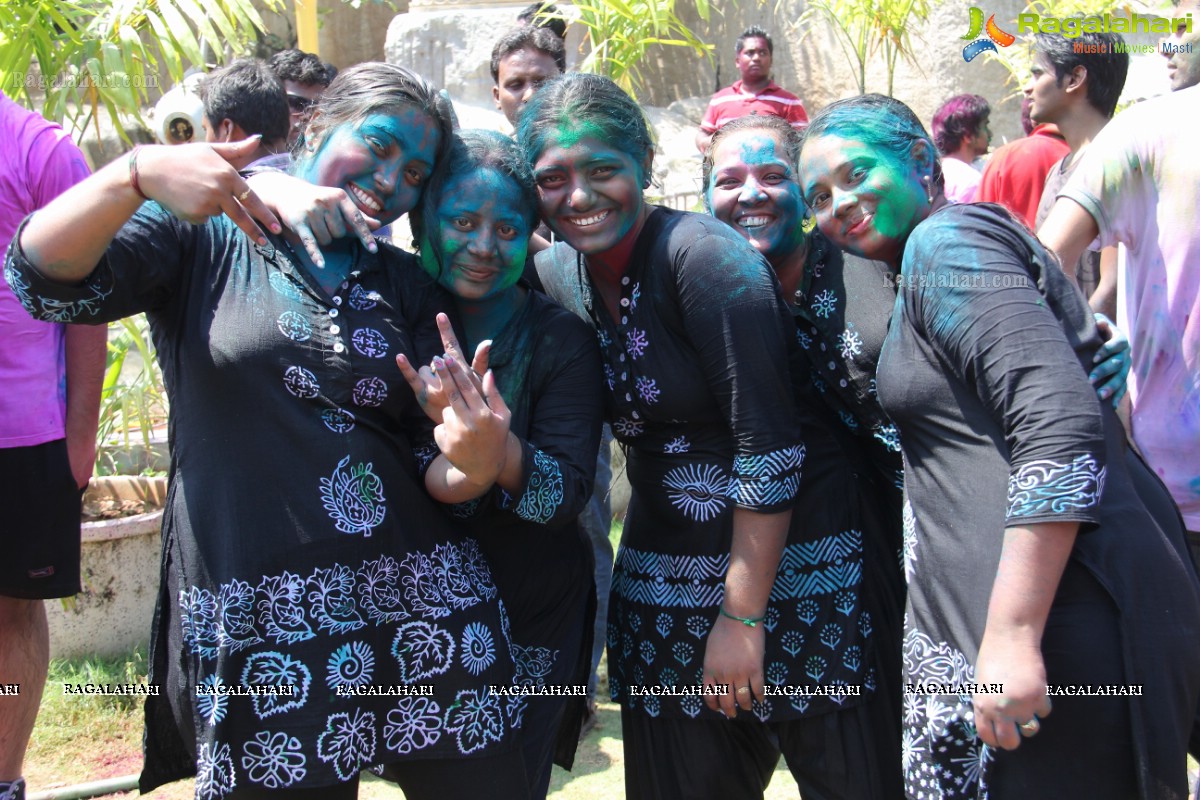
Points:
x=411, y=127
x=476, y=185
x=879, y=133
x=571, y=132
x=755, y=150
x=472, y=188
x=761, y=150
x=410, y=124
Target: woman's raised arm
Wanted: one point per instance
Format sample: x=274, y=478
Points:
x=66, y=239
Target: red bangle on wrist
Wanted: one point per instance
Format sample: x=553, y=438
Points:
x=133, y=172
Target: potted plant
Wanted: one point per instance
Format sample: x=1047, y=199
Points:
x=123, y=506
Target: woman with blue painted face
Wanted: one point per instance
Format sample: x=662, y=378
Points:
x=317, y=614
x=1047, y=575
x=517, y=487
x=839, y=305
x=841, y=302
x=735, y=629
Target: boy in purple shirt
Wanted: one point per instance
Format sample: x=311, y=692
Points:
x=48, y=412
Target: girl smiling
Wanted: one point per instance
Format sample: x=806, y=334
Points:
x=715, y=595
x=302, y=561
x=518, y=458
x=839, y=304
x=1023, y=496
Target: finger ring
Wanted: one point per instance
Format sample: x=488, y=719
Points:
x=1031, y=727
x=744, y=690
x=242, y=197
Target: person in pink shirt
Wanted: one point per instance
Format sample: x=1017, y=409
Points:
x=48, y=411
x=1139, y=184
x=961, y=133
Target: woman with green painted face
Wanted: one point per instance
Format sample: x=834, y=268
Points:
x=1044, y=561
x=307, y=577
x=734, y=632
x=517, y=453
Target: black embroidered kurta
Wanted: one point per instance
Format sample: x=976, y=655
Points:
x=697, y=368
x=842, y=309
x=547, y=367
x=842, y=312
x=299, y=548
x=984, y=372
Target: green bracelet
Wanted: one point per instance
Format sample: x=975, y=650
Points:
x=748, y=621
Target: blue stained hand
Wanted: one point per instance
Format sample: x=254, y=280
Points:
x=1112, y=361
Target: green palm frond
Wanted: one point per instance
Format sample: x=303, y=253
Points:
x=81, y=58
x=620, y=32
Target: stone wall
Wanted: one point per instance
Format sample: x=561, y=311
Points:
x=450, y=44
x=812, y=64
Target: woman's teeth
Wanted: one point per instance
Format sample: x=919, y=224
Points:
x=364, y=198
x=583, y=222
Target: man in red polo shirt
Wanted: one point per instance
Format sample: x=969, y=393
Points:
x=1016, y=173
x=755, y=93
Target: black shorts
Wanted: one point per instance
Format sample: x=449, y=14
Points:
x=39, y=524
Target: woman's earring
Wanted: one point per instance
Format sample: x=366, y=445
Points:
x=928, y=181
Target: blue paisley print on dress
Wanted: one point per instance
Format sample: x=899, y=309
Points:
x=353, y=496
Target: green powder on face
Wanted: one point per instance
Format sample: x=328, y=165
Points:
x=570, y=132
x=429, y=261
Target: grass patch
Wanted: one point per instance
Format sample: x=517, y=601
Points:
x=82, y=737
x=614, y=532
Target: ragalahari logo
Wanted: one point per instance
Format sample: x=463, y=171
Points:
x=994, y=36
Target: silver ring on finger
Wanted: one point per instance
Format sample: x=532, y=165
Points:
x=1030, y=728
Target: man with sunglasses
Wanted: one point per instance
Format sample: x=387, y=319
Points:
x=304, y=78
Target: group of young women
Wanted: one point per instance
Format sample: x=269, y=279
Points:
x=353, y=505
